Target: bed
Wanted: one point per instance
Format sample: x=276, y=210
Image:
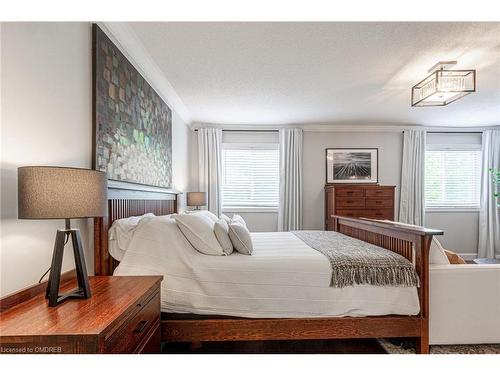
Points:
x=281, y=292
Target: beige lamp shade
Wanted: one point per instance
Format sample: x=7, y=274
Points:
x=61, y=193
x=196, y=198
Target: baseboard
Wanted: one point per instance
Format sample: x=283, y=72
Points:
x=468, y=256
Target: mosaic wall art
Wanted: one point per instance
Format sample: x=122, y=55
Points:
x=132, y=124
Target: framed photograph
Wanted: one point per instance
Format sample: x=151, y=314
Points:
x=351, y=165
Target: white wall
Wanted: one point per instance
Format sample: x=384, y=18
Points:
x=46, y=120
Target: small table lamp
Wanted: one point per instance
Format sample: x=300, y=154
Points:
x=62, y=193
x=196, y=199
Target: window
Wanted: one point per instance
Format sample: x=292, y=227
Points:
x=452, y=176
x=250, y=177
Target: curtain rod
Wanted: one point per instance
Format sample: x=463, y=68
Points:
x=456, y=132
x=248, y=130
x=452, y=132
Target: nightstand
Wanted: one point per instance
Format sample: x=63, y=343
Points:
x=121, y=316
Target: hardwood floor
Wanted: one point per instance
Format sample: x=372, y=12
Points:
x=354, y=346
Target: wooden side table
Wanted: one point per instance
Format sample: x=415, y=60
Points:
x=122, y=316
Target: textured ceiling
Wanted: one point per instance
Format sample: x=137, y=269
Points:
x=312, y=73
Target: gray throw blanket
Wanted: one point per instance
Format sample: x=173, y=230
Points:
x=357, y=262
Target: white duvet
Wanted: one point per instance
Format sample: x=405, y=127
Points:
x=282, y=278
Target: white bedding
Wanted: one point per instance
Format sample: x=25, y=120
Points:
x=282, y=278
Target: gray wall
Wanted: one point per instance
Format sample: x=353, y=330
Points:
x=461, y=228
x=390, y=148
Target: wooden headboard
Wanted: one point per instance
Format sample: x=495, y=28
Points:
x=123, y=203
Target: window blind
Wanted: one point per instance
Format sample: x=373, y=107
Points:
x=452, y=177
x=250, y=176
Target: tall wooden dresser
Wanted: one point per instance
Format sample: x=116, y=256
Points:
x=369, y=201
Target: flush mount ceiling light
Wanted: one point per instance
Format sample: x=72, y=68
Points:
x=443, y=86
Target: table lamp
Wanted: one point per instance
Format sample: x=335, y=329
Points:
x=62, y=193
x=196, y=198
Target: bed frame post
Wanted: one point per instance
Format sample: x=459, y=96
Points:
x=422, y=264
x=413, y=243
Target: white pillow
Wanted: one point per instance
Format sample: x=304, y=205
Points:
x=240, y=237
x=204, y=213
x=436, y=253
x=221, y=230
x=226, y=218
x=120, y=234
x=199, y=231
x=239, y=219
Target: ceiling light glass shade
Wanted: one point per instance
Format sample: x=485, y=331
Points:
x=443, y=87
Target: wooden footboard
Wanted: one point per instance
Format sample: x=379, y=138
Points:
x=412, y=242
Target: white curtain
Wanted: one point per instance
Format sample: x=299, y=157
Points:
x=489, y=215
x=290, y=204
x=210, y=167
x=411, y=203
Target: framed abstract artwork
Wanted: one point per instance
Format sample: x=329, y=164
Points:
x=351, y=165
x=132, y=125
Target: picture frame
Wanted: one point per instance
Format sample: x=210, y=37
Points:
x=351, y=165
x=131, y=123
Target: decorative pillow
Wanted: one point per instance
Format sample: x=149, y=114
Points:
x=436, y=253
x=221, y=230
x=240, y=237
x=226, y=218
x=239, y=219
x=206, y=214
x=199, y=231
x=454, y=258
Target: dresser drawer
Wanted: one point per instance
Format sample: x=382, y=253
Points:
x=350, y=213
x=377, y=193
x=379, y=203
x=350, y=202
x=350, y=193
x=381, y=214
x=130, y=336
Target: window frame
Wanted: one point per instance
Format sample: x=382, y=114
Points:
x=249, y=146
x=452, y=147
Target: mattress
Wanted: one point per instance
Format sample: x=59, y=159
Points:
x=283, y=278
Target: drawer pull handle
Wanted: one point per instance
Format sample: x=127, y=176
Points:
x=141, y=326
x=379, y=202
x=139, y=305
x=350, y=201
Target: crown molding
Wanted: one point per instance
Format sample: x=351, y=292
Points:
x=351, y=128
x=131, y=46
